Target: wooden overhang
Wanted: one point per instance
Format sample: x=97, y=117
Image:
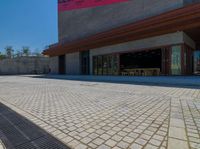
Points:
x=185, y=18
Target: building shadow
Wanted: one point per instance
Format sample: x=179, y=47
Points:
x=17, y=132
x=190, y=82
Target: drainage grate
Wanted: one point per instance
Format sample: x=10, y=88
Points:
x=22, y=134
x=30, y=131
x=13, y=135
x=28, y=145
x=48, y=142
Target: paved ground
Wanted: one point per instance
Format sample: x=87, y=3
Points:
x=97, y=115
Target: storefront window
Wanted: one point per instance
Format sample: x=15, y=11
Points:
x=100, y=68
x=109, y=65
x=105, y=65
x=95, y=65
x=197, y=62
x=115, y=64
x=176, y=60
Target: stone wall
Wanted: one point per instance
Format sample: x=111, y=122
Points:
x=24, y=65
x=53, y=64
x=72, y=63
x=80, y=23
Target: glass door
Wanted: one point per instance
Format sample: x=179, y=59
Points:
x=197, y=62
x=85, y=63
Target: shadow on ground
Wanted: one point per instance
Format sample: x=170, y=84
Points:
x=17, y=132
x=191, y=82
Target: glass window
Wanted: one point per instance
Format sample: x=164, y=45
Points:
x=115, y=65
x=197, y=62
x=109, y=65
x=100, y=70
x=105, y=65
x=176, y=60
x=95, y=62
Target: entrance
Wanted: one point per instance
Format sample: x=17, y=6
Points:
x=62, y=64
x=85, y=63
x=143, y=63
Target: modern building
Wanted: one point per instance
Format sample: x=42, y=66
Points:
x=131, y=37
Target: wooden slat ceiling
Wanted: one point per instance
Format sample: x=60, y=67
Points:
x=186, y=18
x=194, y=34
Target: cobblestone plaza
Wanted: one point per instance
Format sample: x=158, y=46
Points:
x=100, y=115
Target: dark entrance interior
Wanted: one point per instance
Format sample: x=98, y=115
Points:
x=141, y=63
x=62, y=64
x=85, y=63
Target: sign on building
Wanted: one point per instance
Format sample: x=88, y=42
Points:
x=66, y=5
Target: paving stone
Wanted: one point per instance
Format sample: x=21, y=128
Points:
x=111, y=143
x=155, y=142
x=141, y=141
x=81, y=146
x=98, y=141
x=67, y=139
x=105, y=136
x=103, y=147
x=178, y=133
x=73, y=143
x=86, y=140
x=136, y=146
x=128, y=139
x=149, y=146
x=176, y=144
x=123, y=144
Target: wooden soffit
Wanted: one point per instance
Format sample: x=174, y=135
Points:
x=177, y=20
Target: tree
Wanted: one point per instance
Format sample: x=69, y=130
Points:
x=25, y=51
x=18, y=54
x=2, y=56
x=9, y=51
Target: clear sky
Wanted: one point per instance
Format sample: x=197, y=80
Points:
x=31, y=23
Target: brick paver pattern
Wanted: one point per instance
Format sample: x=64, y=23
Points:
x=107, y=115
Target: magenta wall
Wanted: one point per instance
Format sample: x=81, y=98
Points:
x=66, y=5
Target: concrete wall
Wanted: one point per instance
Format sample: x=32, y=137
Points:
x=80, y=23
x=189, y=41
x=73, y=63
x=158, y=41
x=24, y=65
x=53, y=64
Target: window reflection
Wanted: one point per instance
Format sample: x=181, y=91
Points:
x=106, y=65
x=176, y=60
x=197, y=62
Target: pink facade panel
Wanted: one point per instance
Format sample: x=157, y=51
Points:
x=66, y=5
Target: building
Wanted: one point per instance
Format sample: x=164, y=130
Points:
x=132, y=37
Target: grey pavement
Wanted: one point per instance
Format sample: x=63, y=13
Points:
x=103, y=115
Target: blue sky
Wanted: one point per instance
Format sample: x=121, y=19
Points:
x=31, y=23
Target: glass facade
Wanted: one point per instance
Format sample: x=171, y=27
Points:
x=176, y=60
x=197, y=62
x=106, y=65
